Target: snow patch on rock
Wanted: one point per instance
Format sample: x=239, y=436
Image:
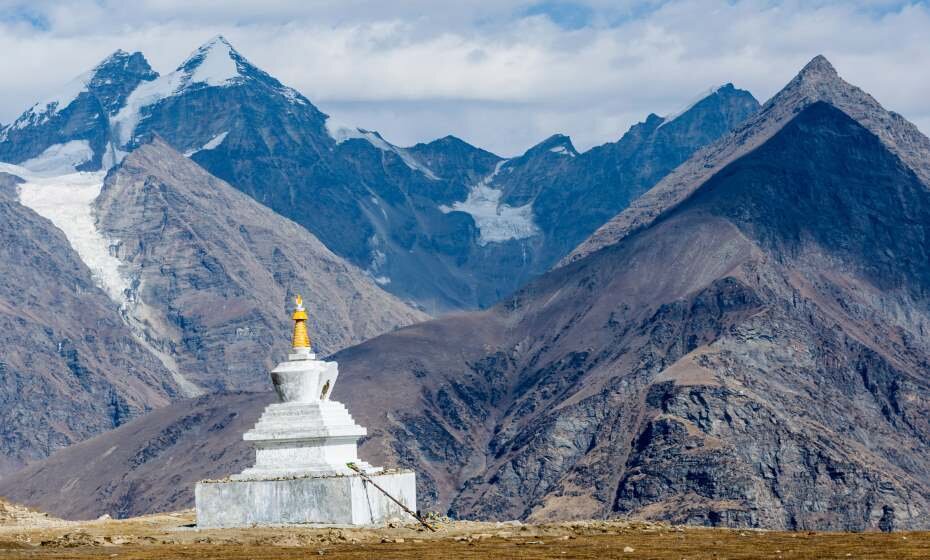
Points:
x=563, y=150
x=212, y=144
x=341, y=133
x=60, y=159
x=146, y=93
x=293, y=96
x=700, y=97
x=378, y=260
x=496, y=222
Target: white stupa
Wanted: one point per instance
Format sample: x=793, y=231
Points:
x=304, y=445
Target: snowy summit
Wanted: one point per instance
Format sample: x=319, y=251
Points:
x=215, y=63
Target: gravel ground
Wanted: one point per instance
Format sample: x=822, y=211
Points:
x=27, y=534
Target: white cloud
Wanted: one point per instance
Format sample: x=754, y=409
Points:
x=500, y=74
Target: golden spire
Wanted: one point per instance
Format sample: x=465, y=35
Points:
x=301, y=339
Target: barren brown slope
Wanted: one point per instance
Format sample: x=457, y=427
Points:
x=69, y=367
x=216, y=271
x=143, y=466
x=757, y=356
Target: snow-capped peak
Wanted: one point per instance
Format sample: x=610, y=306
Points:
x=694, y=101
x=213, y=63
x=217, y=41
x=128, y=89
x=104, y=73
x=45, y=109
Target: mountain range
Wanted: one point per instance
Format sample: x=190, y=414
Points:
x=745, y=345
x=443, y=225
x=719, y=319
x=190, y=275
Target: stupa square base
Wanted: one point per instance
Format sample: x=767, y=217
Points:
x=332, y=500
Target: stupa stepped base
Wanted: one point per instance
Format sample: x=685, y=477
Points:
x=332, y=500
x=296, y=421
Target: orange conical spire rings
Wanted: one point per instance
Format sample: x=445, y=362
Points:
x=300, y=339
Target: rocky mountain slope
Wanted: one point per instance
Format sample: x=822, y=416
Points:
x=213, y=272
x=755, y=355
x=444, y=224
x=815, y=83
x=581, y=191
x=69, y=366
x=122, y=293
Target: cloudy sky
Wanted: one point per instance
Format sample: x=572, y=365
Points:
x=502, y=74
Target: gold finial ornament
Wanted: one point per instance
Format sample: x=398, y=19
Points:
x=300, y=339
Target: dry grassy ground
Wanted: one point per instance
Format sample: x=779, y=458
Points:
x=25, y=534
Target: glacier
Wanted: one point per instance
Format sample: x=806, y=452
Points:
x=496, y=222
x=67, y=200
x=60, y=159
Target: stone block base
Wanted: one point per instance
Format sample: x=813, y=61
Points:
x=335, y=500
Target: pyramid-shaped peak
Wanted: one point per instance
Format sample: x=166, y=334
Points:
x=215, y=63
x=818, y=75
x=817, y=82
x=217, y=42
x=217, y=46
x=820, y=67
